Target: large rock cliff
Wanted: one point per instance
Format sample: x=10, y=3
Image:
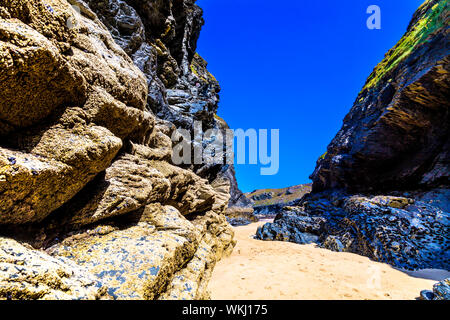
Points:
x=382, y=188
x=90, y=204
x=396, y=135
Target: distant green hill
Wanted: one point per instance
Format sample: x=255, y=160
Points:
x=284, y=196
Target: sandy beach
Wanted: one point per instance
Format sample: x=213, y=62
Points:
x=261, y=270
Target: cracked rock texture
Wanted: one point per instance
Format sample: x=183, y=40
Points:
x=91, y=205
x=382, y=187
x=441, y=291
x=26, y=273
x=407, y=232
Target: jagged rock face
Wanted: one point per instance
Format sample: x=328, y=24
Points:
x=85, y=164
x=396, y=134
x=161, y=37
x=441, y=291
x=62, y=153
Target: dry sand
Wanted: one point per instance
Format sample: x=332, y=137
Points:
x=259, y=270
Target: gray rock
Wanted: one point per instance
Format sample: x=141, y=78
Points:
x=426, y=295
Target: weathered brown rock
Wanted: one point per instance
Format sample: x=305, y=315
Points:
x=129, y=184
x=80, y=69
x=189, y=193
x=35, y=184
x=35, y=78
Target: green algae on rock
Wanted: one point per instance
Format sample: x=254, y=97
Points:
x=396, y=134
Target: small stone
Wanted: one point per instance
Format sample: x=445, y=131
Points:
x=426, y=295
x=441, y=290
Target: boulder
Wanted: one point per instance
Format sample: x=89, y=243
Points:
x=147, y=258
x=411, y=237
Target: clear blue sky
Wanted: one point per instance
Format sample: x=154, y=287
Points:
x=297, y=66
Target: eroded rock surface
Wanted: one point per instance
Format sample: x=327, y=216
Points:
x=268, y=203
x=400, y=230
x=91, y=92
x=26, y=273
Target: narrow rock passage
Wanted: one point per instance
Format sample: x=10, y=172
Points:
x=259, y=270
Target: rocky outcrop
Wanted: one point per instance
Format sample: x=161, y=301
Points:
x=91, y=92
x=382, y=188
x=407, y=230
x=441, y=291
x=238, y=199
x=241, y=216
x=270, y=202
x=144, y=258
x=26, y=273
x=52, y=152
x=262, y=204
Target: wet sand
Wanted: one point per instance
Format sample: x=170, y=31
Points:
x=261, y=270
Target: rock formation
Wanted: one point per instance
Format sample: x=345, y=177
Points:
x=90, y=204
x=396, y=136
x=382, y=188
x=270, y=202
x=240, y=210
